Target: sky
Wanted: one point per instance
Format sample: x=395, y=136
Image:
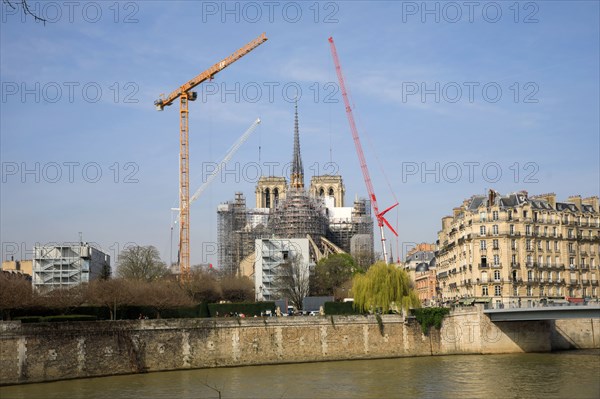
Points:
x=451, y=99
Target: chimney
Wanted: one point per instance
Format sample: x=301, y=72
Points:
x=456, y=211
x=593, y=201
x=575, y=199
x=549, y=197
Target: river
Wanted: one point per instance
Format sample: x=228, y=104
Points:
x=574, y=374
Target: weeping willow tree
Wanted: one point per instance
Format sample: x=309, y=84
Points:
x=384, y=287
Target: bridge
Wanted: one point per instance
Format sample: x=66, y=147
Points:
x=550, y=312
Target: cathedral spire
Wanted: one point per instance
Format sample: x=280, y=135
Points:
x=297, y=176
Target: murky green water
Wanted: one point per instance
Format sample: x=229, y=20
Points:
x=573, y=374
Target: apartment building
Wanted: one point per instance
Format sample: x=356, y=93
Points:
x=516, y=248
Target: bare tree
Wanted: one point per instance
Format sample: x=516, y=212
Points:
x=292, y=281
x=203, y=287
x=15, y=292
x=63, y=299
x=26, y=9
x=111, y=294
x=161, y=295
x=141, y=263
x=237, y=289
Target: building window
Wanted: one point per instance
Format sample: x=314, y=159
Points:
x=496, y=260
x=528, y=230
x=571, y=247
x=571, y=261
x=497, y=290
x=557, y=261
x=482, y=245
x=484, y=290
x=548, y=246
x=495, y=244
x=570, y=233
x=529, y=275
x=545, y=231
x=554, y=231
x=549, y=260
x=528, y=245
x=513, y=259
x=539, y=243
x=509, y=215
x=525, y=214
x=495, y=215
x=512, y=229
x=542, y=291
x=529, y=293
x=556, y=245
x=515, y=291
x=482, y=230
x=482, y=216
x=513, y=244
x=496, y=275
x=495, y=229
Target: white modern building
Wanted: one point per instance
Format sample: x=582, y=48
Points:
x=67, y=265
x=271, y=253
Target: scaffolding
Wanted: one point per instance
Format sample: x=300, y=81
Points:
x=299, y=215
x=344, y=233
x=237, y=228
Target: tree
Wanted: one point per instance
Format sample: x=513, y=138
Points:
x=161, y=295
x=202, y=286
x=331, y=273
x=15, y=292
x=384, y=287
x=111, y=294
x=237, y=289
x=141, y=263
x=26, y=9
x=292, y=281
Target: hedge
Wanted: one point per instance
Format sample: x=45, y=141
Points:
x=248, y=309
x=339, y=308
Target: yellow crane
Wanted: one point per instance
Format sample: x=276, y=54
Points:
x=185, y=95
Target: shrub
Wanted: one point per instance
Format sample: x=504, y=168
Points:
x=428, y=317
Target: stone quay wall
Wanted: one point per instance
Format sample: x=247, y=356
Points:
x=40, y=352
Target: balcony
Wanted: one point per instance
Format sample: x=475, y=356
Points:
x=496, y=266
x=483, y=266
x=573, y=282
x=530, y=265
x=595, y=282
x=585, y=281
x=516, y=265
x=531, y=281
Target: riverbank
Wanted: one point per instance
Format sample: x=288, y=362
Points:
x=40, y=352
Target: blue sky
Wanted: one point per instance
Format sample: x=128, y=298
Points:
x=465, y=93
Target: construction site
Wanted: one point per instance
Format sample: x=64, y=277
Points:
x=316, y=219
x=287, y=211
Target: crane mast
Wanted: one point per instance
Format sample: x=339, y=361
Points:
x=381, y=220
x=185, y=95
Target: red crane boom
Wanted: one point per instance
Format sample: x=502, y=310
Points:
x=381, y=220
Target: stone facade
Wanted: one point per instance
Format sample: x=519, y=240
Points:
x=519, y=247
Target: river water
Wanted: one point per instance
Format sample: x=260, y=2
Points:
x=574, y=374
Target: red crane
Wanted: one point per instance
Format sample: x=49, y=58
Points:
x=381, y=220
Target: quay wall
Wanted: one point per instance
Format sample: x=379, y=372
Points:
x=37, y=352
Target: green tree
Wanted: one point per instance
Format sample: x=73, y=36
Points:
x=141, y=263
x=384, y=287
x=331, y=273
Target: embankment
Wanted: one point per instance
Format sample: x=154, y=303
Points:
x=54, y=351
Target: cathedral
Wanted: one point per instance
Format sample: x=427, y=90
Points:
x=287, y=211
